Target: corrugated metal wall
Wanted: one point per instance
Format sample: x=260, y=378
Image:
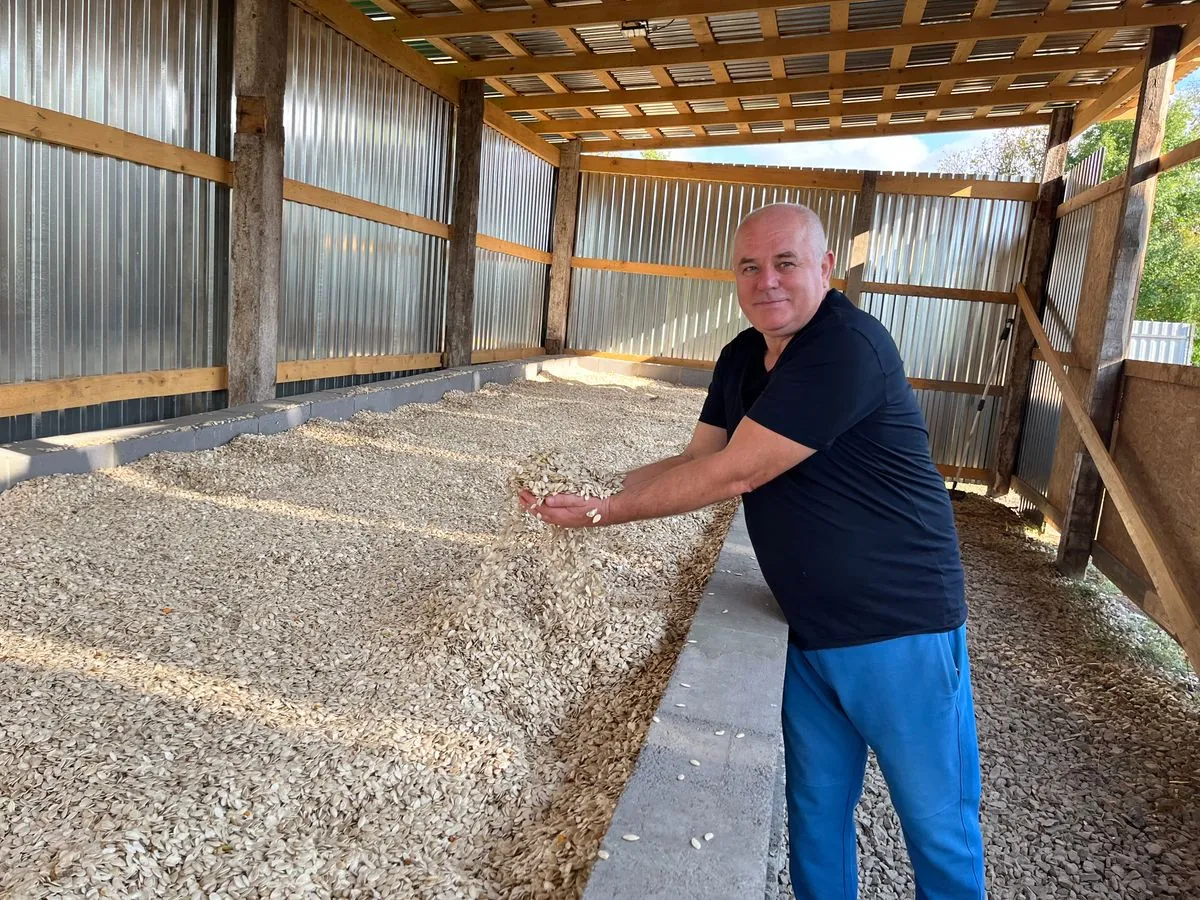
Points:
x=108, y=266
x=357, y=126
x=939, y=241
x=1039, y=434
x=1167, y=342
x=516, y=204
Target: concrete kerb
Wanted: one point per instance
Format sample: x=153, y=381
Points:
x=733, y=663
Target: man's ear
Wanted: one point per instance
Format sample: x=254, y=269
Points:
x=827, y=267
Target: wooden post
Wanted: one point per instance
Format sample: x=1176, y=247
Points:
x=260, y=67
x=860, y=241
x=1124, y=280
x=566, y=208
x=1043, y=233
x=460, y=283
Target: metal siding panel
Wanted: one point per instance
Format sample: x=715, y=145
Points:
x=357, y=126
x=352, y=287
x=109, y=266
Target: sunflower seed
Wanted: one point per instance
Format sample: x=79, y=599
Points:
x=602, y=854
x=694, y=762
x=709, y=836
x=696, y=843
x=630, y=837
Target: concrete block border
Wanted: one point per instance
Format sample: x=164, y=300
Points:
x=720, y=708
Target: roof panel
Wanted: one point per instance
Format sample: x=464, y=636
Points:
x=1129, y=39
x=542, y=43
x=735, y=27
x=858, y=121
x=766, y=127
x=1092, y=76
x=808, y=65
x=1018, y=8
x=931, y=54
x=606, y=38
x=527, y=84
x=1032, y=81
x=1092, y=5
x=560, y=114
x=909, y=91
x=863, y=60
x=876, y=14
x=947, y=11
x=609, y=112
x=803, y=20
x=811, y=124
x=691, y=75
x=994, y=48
x=677, y=131
x=1068, y=42
x=671, y=34
x=660, y=109
x=480, y=46
x=580, y=81
x=907, y=118
x=742, y=70
x=760, y=103
x=428, y=7
x=721, y=129
x=634, y=78
x=708, y=106
x=973, y=85
x=860, y=95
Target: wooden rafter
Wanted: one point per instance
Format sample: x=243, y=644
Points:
x=832, y=110
x=704, y=37
x=964, y=49
x=914, y=11
x=821, y=134
x=866, y=39
x=823, y=82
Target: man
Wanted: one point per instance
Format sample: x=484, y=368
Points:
x=810, y=418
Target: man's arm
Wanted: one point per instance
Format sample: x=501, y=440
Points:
x=706, y=440
x=754, y=456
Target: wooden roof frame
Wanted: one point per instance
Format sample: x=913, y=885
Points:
x=942, y=72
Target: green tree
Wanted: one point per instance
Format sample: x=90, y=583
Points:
x=1170, y=289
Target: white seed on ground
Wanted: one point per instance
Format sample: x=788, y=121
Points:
x=696, y=843
x=719, y=733
x=602, y=854
x=683, y=684
x=680, y=777
x=694, y=762
x=681, y=705
x=467, y=678
x=630, y=837
x=655, y=718
x=740, y=734
x=724, y=611
x=709, y=836
x=691, y=642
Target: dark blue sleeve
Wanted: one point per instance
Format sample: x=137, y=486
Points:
x=816, y=395
x=713, y=411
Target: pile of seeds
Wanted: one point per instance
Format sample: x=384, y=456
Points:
x=337, y=661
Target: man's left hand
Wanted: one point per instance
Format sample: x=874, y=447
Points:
x=567, y=510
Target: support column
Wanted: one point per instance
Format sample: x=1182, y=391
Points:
x=860, y=240
x=1124, y=280
x=460, y=282
x=1043, y=232
x=260, y=72
x=566, y=208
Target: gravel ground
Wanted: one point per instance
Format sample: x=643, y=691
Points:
x=274, y=669
x=1089, y=729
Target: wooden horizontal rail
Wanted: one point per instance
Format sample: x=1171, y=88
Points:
x=60, y=129
x=1170, y=160
x=89, y=390
x=640, y=268
x=1090, y=196
x=1145, y=538
x=342, y=366
x=829, y=179
x=969, y=473
x=1167, y=373
x=1069, y=359
x=921, y=384
x=938, y=293
x=487, y=242
x=1052, y=513
x=506, y=353
x=311, y=195
x=520, y=135
x=1133, y=586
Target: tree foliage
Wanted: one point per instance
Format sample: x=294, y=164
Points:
x=1170, y=289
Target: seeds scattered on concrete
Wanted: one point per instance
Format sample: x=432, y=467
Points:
x=602, y=854
x=681, y=705
x=719, y=733
x=655, y=718
x=630, y=837
x=694, y=762
x=683, y=684
x=740, y=734
x=696, y=843
x=709, y=836
x=680, y=777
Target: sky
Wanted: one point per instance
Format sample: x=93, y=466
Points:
x=909, y=152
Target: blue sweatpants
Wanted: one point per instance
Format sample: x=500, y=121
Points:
x=909, y=699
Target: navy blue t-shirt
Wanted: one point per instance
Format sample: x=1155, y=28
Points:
x=857, y=542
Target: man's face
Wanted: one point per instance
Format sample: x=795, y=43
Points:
x=781, y=277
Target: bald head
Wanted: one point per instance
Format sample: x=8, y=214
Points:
x=777, y=216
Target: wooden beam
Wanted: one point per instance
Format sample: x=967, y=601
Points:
x=343, y=366
x=575, y=16
x=89, y=390
x=956, y=186
x=51, y=127
x=310, y=195
x=1039, y=252
x=821, y=82
x=1168, y=373
x=1124, y=280
x=641, y=268
x=1090, y=196
x=566, y=210
x=1145, y=538
x=505, y=353
x=860, y=237
x=822, y=134
x=1121, y=90
x=508, y=248
x=256, y=214
x=865, y=39
x=520, y=134
x=384, y=40
x=460, y=282
x=914, y=11
x=938, y=293
x=832, y=110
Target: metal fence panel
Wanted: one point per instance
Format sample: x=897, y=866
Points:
x=1064, y=287
x=1166, y=342
x=516, y=204
x=108, y=266
x=358, y=126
